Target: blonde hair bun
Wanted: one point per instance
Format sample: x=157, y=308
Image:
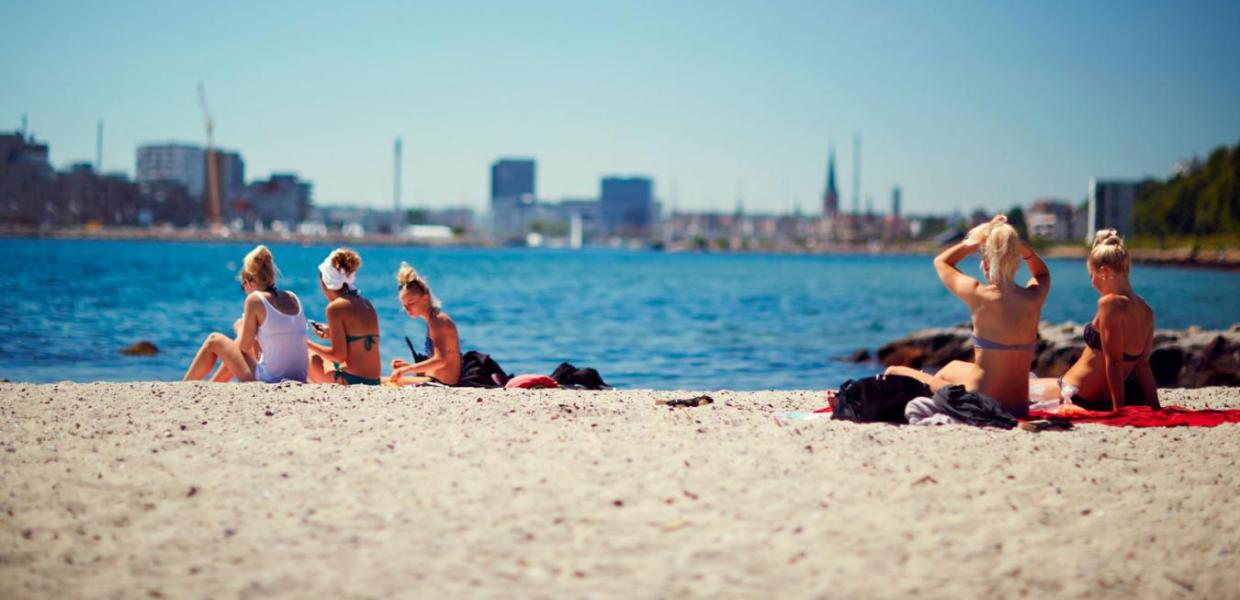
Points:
x=1109, y=251
x=259, y=267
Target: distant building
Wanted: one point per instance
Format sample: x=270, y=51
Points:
x=1050, y=220
x=187, y=164
x=183, y=163
x=283, y=197
x=627, y=205
x=1110, y=206
x=831, y=196
x=231, y=173
x=513, y=194
x=895, y=202
x=84, y=197
x=26, y=180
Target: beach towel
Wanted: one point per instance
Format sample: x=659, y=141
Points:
x=1144, y=416
x=531, y=382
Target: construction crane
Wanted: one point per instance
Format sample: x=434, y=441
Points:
x=213, y=176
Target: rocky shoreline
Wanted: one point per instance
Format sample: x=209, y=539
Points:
x=1188, y=358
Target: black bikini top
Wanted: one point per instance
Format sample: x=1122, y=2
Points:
x=1093, y=339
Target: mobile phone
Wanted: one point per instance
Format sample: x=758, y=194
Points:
x=317, y=326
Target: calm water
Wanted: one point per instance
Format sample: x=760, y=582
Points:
x=643, y=319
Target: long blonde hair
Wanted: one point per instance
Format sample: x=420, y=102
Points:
x=407, y=278
x=1109, y=251
x=999, y=244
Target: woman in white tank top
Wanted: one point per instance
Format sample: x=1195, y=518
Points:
x=271, y=335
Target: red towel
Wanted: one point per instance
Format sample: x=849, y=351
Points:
x=1144, y=416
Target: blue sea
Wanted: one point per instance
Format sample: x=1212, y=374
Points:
x=644, y=319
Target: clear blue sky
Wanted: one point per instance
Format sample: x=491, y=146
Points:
x=964, y=104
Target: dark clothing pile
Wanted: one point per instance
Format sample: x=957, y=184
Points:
x=972, y=408
x=479, y=370
x=877, y=399
x=883, y=398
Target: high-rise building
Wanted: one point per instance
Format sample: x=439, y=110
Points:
x=627, y=205
x=830, y=197
x=1110, y=206
x=182, y=163
x=187, y=164
x=512, y=195
x=895, y=202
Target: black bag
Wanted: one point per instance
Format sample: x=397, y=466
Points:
x=583, y=379
x=479, y=370
x=880, y=398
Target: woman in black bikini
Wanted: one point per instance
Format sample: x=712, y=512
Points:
x=1119, y=339
x=1005, y=315
x=352, y=326
x=443, y=345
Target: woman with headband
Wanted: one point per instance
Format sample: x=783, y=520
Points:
x=352, y=327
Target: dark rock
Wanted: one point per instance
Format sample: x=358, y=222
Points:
x=1189, y=358
x=141, y=348
x=859, y=356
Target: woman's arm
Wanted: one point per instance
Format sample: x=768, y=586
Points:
x=959, y=284
x=1111, y=330
x=1041, y=280
x=338, y=351
x=249, y=322
x=446, y=343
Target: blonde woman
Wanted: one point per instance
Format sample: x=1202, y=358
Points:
x=1119, y=339
x=443, y=345
x=271, y=334
x=1005, y=315
x=352, y=326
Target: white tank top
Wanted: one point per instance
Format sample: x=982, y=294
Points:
x=283, y=340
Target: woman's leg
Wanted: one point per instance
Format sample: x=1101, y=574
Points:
x=318, y=372
x=961, y=373
x=411, y=379
x=238, y=363
x=203, y=362
x=934, y=382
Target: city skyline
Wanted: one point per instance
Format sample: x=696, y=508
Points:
x=961, y=106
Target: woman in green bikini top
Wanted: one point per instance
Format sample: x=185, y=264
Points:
x=352, y=327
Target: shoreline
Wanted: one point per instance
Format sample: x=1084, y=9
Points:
x=180, y=489
x=1221, y=260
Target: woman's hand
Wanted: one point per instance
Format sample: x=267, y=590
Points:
x=398, y=363
x=321, y=330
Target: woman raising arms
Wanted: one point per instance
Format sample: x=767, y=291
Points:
x=1005, y=315
x=352, y=326
x=443, y=345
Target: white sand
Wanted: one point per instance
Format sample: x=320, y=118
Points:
x=198, y=490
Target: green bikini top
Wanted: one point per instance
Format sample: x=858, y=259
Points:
x=370, y=340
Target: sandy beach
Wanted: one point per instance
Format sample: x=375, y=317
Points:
x=199, y=490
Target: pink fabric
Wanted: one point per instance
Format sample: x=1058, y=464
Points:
x=1144, y=416
x=530, y=382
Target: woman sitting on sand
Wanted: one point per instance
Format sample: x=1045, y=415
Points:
x=1119, y=339
x=271, y=333
x=443, y=345
x=1005, y=315
x=352, y=326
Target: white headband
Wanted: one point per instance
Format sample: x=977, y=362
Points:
x=333, y=278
